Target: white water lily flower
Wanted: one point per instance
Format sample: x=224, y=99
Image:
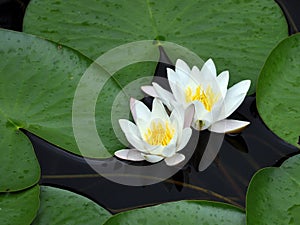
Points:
x=207, y=92
x=155, y=135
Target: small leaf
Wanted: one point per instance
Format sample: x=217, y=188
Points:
x=19, y=207
x=64, y=207
x=182, y=212
x=273, y=196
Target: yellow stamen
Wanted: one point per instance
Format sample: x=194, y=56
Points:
x=207, y=97
x=157, y=134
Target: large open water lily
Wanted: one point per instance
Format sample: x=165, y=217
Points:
x=155, y=135
x=207, y=92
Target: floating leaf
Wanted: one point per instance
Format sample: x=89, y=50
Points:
x=182, y=212
x=19, y=207
x=273, y=196
x=278, y=90
x=37, y=84
x=64, y=207
x=237, y=34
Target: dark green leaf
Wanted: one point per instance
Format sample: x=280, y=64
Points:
x=273, y=196
x=278, y=90
x=38, y=79
x=64, y=207
x=19, y=208
x=237, y=34
x=182, y=212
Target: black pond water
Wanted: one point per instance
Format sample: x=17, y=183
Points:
x=226, y=179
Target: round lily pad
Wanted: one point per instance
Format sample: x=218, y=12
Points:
x=182, y=212
x=278, y=90
x=19, y=207
x=59, y=206
x=238, y=35
x=273, y=196
x=38, y=79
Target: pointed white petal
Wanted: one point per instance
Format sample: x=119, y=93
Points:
x=142, y=126
x=156, y=150
x=139, y=110
x=218, y=110
x=132, y=134
x=175, y=159
x=158, y=111
x=228, y=126
x=189, y=115
x=201, y=114
x=195, y=71
x=177, y=117
x=222, y=80
x=129, y=154
x=182, y=68
x=182, y=78
x=165, y=96
x=234, y=97
x=178, y=93
x=186, y=135
x=152, y=158
x=149, y=90
x=170, y=149
x=209, y=69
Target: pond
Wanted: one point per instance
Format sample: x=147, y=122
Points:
x=225, y=180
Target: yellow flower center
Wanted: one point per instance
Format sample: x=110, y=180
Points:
x=158, y=134
x=207, y=97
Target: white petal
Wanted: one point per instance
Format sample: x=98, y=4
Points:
x=177, y=117
x=201, y=114
x=181, y=78
x=234, y=97
x=175, y=159
x=152, y=158
x=189, y=115
x=222, y=80
x=139, y=110
x=149, y=90
x=132, y=134
x=186, y=135
x=158, y=111
x=182, y=68
x=165, y=96
x=209, y=69
x=178, y=92
x=156, y=150
x=142, y=126
x=228, y=126
x=129, y=154
x=170, y=149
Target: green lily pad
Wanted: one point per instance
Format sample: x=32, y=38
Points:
x=38, y=79
x=64, y=207
x=273, y=196
x=238, y=35
x=278, y=90
x=19, y=207
x=182, y=212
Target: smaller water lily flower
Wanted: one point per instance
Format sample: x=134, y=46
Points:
x=155, y=135
x=207, y=92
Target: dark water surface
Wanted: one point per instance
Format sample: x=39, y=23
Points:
x=225, y=180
